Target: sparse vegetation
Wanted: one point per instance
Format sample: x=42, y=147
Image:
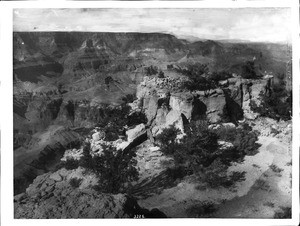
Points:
x=255, y=165
x=161, y=74
x=261, y=184
x=248, y=70
x=204, y=209
x=70, y=164
x=283, y=213
x=219, y=76
x=151, y=70
x=289, y=163
x=243, y=138
x=275, y=168
x=269, y=204
x=198, y=152
x=216, y=175
x=276, y=103
x=198, y=75
x=114, y=120
x=75, y=182
x=114, y=168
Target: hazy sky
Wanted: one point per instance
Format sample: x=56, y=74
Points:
x=254, y=24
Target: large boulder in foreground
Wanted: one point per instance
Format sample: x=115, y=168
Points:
x=53, y=195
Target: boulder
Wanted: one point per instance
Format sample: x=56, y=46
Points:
x=55, y=176
x=150, y=105
x=96, y=136
x=135, y=132
x=214, y=107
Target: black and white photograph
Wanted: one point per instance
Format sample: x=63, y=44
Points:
x=152, y=113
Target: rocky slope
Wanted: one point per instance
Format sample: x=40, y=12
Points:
x=52, y=195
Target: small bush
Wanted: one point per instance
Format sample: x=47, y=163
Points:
x=113, y=120
x=114, y=169
x=201, y=209
x=86, y=160
x=275, y=169
x=75, y=182
x=275, y=105
x=197, y=76
x=70, y=164
x=269, y=204
x=226, y=133
x=283, y=213
x=261, y=184
x=151, y=70
x=198, y=153
x=289, y=163
x=248, y=70
x=216, y=175
x=161, y=74
x=244, y=139
x=167, y=139
x=219, y=76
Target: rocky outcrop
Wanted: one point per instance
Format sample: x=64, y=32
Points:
x=42, y=154
x=54, y=195
x=242, y=92
x=214, y=103
x=135, y=132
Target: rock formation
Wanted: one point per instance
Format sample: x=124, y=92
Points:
x=52, y=195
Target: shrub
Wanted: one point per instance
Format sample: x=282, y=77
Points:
x=86, y=160
x=198, y=152
x=226, y=133
x=167, y=139
x=216, y=175
x=261, y=184
x=245, y=142
x=275, y=169
x=114, y=169
x=75, y=182
x=276, y=106
x=70, y=164
x=196, y=73
x=269, y=204
x=219, y=76
x=151, y=70
x=161, y=74
x=201, y=209
x=195, y=149
x=283, y=213
x=248, y=70
x=114, y=120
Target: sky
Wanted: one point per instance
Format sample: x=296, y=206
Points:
x=252, y=24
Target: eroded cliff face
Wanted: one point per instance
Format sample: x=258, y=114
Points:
x=230, y=103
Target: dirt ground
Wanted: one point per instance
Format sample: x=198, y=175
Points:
x=265, y=190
